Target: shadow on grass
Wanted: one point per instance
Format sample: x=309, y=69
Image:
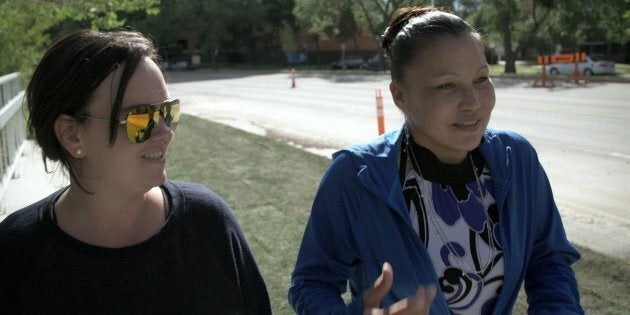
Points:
x=270, y=186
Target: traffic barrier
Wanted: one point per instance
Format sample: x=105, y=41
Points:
x=544, y=78
x=568, y=58
x=292, y=78
x=380, y=119
x=577, y=76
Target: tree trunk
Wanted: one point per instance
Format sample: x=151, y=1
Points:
x=506, y=29
x=319, y=55
x=215, y=60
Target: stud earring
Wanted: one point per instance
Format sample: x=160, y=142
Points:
x=79, y=152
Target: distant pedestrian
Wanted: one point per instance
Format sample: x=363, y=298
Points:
x=445, y=215
x=121, y=238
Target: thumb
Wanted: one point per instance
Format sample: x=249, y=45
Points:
x=372, y=297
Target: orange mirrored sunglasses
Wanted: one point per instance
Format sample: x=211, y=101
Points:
x=142, y=120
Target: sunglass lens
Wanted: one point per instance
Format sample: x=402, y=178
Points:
x=142, y=121
x=171, y=115
x=140, y=124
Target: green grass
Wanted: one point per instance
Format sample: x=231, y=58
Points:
x=521, y=69
x=621, y=68
x=270, y=186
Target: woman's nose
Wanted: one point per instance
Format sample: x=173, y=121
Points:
x=470, y=99
x=163, y=130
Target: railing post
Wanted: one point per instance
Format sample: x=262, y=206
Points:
x=12, y=127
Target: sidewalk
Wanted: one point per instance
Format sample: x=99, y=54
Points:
x=30, y=182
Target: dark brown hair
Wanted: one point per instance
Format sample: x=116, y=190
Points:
x=411, y=29
x=68, y=74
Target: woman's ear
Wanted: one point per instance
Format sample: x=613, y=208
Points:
x=68, y=132
x=398, y=95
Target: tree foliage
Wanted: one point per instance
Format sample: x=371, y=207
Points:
x=346, y=19
x=541, y=26
x=228, y=28
x=240, y=29
x=580, y=21
x=317, y=17
x=25, y=25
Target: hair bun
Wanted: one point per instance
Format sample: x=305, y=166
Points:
x=385, y=39
x=400, y=18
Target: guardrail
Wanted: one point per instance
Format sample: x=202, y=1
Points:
x=12, y=126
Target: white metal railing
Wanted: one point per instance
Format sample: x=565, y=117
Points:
x=12, y=127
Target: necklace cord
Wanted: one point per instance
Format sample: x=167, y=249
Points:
x=433, y=217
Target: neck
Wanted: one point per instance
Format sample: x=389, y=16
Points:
x=433, y=169
x=444, y=154
x=109, y=220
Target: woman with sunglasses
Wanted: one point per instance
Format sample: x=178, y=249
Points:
x=121, y=238
x=445, y=215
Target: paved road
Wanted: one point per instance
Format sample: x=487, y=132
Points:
x=580, y=132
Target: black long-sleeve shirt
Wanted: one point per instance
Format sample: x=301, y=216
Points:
x=198, y=263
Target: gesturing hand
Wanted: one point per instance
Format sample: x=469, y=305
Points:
x=418, y=304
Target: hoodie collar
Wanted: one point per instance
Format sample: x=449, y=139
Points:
x=377, y=162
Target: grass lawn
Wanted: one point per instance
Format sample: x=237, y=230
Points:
x=270, y=186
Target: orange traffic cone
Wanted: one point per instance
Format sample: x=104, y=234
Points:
x=544, y=78
x=576, y=76
x=380, y=119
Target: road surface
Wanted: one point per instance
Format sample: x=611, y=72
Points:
x=580, y=131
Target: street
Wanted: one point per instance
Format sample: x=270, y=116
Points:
x=579, y=131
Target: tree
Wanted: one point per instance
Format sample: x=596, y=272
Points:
x=378, y=13
x=507, y=14
x=345, y=19
x=347, y=26
x=237, y=30
x=189, y=25
x=539, y=25
x=516, y=24
x=579, y=21
x=282, y=25
x=317, y=17
x=25, y=25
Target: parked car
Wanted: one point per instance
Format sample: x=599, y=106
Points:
x=374, y=63
x=350, y=62
x=178, y=65
x=589, y=67
x=296, y=58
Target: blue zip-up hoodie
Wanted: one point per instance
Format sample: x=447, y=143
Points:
x=360, y=220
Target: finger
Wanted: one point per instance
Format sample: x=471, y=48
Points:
x=431, y=292
x=372, y=297
x=421, y=302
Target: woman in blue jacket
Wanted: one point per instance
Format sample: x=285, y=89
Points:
x=462, y=214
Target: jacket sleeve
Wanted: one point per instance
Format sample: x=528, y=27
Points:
x=550, y=282
x=327, y=253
